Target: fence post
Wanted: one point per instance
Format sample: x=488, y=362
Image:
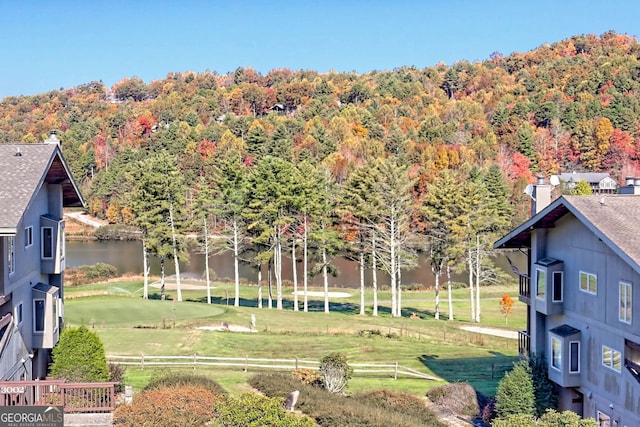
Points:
x=246, y=362
x=395, y=375
x=493, y=371
x=142, y=362
x=296, y=362
x=195, y=360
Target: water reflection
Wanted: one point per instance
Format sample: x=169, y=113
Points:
x=126, y=256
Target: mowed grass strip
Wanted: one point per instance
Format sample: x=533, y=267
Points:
x=128, y=325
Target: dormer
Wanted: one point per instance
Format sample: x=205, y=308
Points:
x=548, y=276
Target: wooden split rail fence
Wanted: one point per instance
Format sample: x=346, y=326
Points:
x=365, y=369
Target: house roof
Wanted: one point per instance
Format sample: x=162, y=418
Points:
x=24, y=168
x=590, y=177
x=614, y=219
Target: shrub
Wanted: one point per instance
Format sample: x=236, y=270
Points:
x=307, y=376
x=79, y=357
x=544, y=391
x=515, y=392
x=374, y=409
x=89, y=273
x=116, y=374
x=182, y=380
x=460, y=398
x=489, y=411
x=253, y=410
x=116, y=232
x=188, y=406
x=335, y=372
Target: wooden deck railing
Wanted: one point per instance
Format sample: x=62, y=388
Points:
x=524, y=344
x=75, y=397
x=525, y=289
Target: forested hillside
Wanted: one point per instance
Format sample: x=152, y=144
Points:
x=411, y=151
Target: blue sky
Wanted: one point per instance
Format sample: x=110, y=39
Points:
x=54, y=44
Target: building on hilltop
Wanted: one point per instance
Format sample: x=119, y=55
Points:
x=583, y=303
x=600, y=182
x=35, y=185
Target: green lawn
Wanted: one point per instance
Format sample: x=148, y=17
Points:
x=128, y=325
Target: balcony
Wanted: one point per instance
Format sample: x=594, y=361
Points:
x=525, y=289
x=524, y=344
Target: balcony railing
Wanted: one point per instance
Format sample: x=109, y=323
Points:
x=524, y=344
x=525, y=289
x=75, y=397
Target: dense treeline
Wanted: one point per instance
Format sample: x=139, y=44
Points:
x=377, y=165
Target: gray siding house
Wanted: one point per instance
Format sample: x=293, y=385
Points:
x=35, y=185
x=583, y=299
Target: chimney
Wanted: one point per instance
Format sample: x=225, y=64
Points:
x=540, y=196
x=632, y=185
x=53, y=139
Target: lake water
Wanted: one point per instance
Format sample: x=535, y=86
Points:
x=126, y=256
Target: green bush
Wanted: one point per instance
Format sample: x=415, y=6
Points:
x=185, y=406
x=335, y=372
x=550, y=418
x=544, y=391
x=79, y=357
x=89, y=273
x=117, y=232
x=253, y=410
x=514, y=395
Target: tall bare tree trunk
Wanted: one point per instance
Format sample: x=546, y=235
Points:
x=259, y=284
x=361, y=266
x=145, y=268
x=393, y=276
x=449, y=291
x=374, y=272
x=206, y=260
x=277, y=267
x=175, y=252
x=306, y=265
x=470, y=266
x=294, y=265
x=478, y=276
x=325, y=277
x=236, y=256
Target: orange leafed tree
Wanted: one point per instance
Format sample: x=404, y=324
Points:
x=506, y=306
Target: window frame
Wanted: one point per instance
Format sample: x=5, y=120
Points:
x=19, y=314
x=11, y=254
x=625, y=305
x=588, y=276
x=553, y=286
x=541, y=293
x=611, y=362
x=556, y=354
x=571, y=357
x=44, y=241
x=28, y=236
x=35, y=315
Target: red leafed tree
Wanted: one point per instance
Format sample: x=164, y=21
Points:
x=206, y=149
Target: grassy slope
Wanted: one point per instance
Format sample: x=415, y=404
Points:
x=129, y=325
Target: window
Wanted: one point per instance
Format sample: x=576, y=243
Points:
x=611, y=358
x=55, y=314
x=574, y=357
x=62, y=240
x=38, y=315
x=18, y=314
x=11, y=254
x=541, y=282
x=47, y=242
x=28, y=236
x=556, y=353
x=625, y=302
x=557, y=286
x=588, y=282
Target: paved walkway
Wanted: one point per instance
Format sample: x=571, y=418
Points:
x=85, y=219
x=492, y=331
